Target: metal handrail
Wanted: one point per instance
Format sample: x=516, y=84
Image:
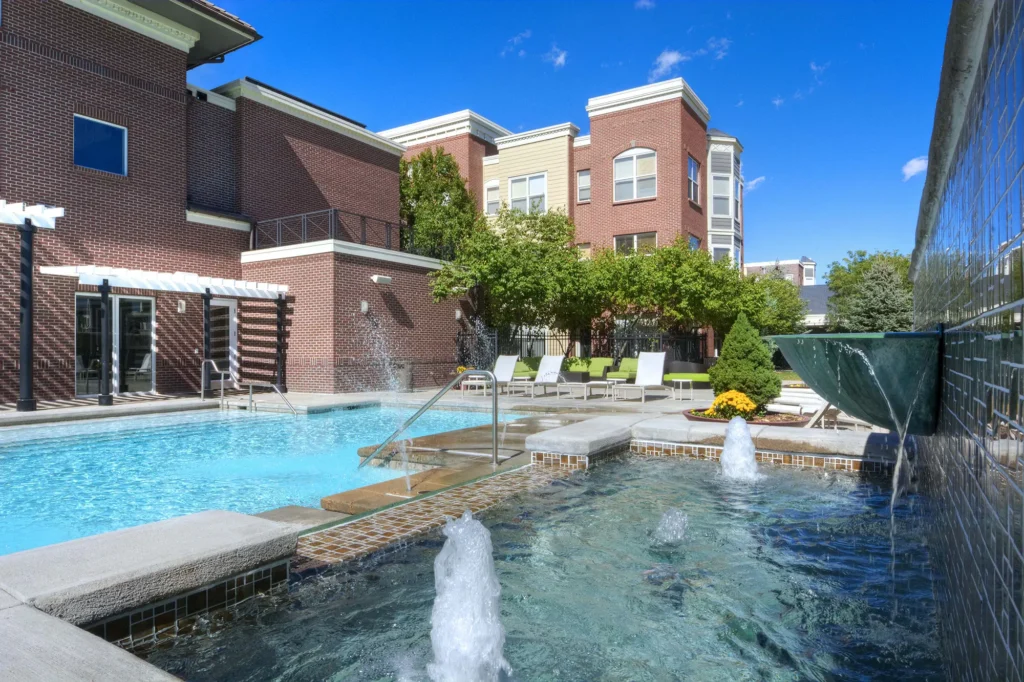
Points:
x=437, y=396
x=202, y=379
x=267, y=384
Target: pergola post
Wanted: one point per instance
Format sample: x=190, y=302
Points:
x=26, y=400
x=106, y=333
x=281, y=304
x=207, y=297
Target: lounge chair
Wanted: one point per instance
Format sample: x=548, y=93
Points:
x=548, y=375
x=596, y=367
x=626, y=370
x=649, y=372
x=504, y=367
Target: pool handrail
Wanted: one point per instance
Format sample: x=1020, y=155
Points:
x=267, y=384
x=202, y=379
x=437, y=396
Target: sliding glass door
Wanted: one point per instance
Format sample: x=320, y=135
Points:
x=132, y=367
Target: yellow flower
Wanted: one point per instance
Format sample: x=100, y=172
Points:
x=460, y=369
x=730, y=404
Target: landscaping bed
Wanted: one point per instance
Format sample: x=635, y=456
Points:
x=772, y=418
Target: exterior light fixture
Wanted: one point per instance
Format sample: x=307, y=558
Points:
x=458, y=314
x=364, y=307
x=380, y=279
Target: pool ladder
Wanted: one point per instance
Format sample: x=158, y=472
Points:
x=437, y=396
x=251, y=385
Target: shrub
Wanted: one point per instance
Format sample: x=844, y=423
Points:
x=732, y=404
x=745, y=365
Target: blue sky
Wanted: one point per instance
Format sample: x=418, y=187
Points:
x=830, y=99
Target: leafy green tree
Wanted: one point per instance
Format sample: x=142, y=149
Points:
x=881, y=303
x=439, y=210
x=528, y=272
x=745, y=365
x=845, y=280
x=777, y=306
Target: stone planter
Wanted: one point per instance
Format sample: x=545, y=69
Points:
x=692, y=414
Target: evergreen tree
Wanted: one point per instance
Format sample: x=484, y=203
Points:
x=881, y=303
x=745, y=365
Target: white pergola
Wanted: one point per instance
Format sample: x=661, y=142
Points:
x=183, y=282
x=40, y=215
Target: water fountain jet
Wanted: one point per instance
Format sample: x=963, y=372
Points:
x=738, y=460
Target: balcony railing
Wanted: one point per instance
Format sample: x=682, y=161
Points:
x=331, y=223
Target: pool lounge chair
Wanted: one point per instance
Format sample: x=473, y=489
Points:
x=504, y=367
x=649, y=372
x=548, y=375
x=626, y=370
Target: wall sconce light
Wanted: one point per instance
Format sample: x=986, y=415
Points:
x=181, y=306
x=380, y=279
x=458, y=314
x=364, y=307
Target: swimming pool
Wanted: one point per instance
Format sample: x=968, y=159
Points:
x=62, y=482
x=790, y=578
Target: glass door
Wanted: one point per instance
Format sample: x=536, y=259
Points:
x=224, y=339
x=134, y=345
x=87, y=345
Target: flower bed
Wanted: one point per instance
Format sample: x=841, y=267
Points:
x=768, y=419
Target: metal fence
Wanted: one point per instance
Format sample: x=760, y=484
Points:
x=331, y=223
x=481, y=348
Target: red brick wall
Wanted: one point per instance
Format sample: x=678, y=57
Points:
x=212, y=163
x=289, y=166
x=330, y=343
x=674, y=132
x=469, y=152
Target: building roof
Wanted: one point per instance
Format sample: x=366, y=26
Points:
x=538, y=135
x=663, y=91
x=199, y=27
x=816, y=296
x=442, y=127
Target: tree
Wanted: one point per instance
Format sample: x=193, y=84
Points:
x=528, y=272
x=745, y=365
x=882, y=302
x=438, y=209
x=846, y=278
x=777, y=306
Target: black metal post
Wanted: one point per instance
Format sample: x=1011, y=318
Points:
x=281, y=303
x=206, y=339
x=26, y=400
x=106, y=330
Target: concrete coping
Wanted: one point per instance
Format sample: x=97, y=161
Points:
x=789, y=439
x=586, y=437
x=86, y=580
x=41, y=647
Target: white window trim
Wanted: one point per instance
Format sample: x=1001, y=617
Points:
x=633, y=153
x=590, y=186
x=491, y=184
x=809, y=280
x=112, y=125
x=727, y=195
x=635, y=236
x=696, y=181
x=527, y=177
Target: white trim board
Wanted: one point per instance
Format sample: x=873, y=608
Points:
x=346, y=248
x=538, y=135
x=212, y=97
x=147, y=280
x=217, y=221
x=135, y=18
x=664, y=91
x=442, y=127
x=292, y=107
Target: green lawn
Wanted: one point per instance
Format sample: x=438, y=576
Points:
x=788, y=375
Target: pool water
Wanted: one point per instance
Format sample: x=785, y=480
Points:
x=789, y=578
x=62, y=482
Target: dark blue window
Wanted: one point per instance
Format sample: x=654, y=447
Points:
x=694, y=243
x=101, y=146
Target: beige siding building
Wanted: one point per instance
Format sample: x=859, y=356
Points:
x=531, y=171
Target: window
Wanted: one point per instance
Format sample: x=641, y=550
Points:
x=789, y=276
x=636, y=174
x=736, y=199
x=583, y=186
x=720, y=253
x=720, y=195
x=694, y=243
x=585, y=250
x=808, y=274
x=736, y=255
x=633, y=243
x=101, y=146
x=693, y=180
x=492, y=203
x=529, y=194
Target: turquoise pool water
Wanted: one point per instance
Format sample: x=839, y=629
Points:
x=68, y=481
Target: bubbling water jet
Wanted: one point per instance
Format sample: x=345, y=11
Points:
x=738, y=460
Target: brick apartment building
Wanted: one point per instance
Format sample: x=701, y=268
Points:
x=188, y=201
x=802, y=272
x=649, y=172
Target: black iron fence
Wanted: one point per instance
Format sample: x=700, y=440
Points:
x=481, y=348
x=331, y=223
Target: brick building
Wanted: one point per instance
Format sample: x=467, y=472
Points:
x=650, y=171
x=189, y=201
x=801, y=271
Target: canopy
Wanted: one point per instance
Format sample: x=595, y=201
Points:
x=184, y=282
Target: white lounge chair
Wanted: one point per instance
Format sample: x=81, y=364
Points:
x=504, y=368
x=548, y=373
x=650, y=371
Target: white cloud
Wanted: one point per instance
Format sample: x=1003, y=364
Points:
x=644, y=4
x=751, y=185
x=819, y=70
x=719, y=47
x=666, y=63
x=777, y=101
x=512, y=43
x=918, y=164
x=556, y=56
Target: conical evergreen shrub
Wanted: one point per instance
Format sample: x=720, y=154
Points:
x=745, y=365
